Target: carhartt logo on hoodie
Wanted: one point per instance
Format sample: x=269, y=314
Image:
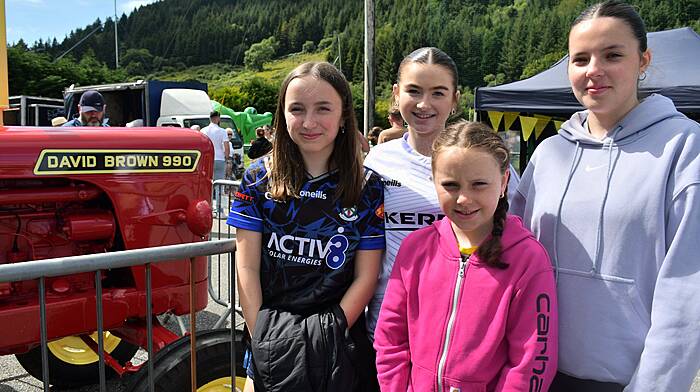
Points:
x=542, y=359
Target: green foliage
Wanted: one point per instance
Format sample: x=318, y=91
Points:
x=255, y=92
x=494, y=80
x=308, y=47
x=32, y=73
x=260, y=53
x=325, y=43
x=381, y=112
x=483, y=36
x=491, y=41
x=541, y=64
x=139, y=62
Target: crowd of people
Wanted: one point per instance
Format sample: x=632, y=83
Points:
x=429, y=266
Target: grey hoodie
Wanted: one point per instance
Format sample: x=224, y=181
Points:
x=620, y=218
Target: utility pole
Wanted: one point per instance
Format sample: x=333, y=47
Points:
x=116, y=41
x=369, y=67
x=340, y=55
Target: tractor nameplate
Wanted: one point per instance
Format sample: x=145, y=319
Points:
x=53, y=162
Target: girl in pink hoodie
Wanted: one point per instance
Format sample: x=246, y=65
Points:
x=471, y=302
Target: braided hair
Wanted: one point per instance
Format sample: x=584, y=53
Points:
x=466, y=134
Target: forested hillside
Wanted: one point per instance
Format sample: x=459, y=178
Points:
x=492, y=41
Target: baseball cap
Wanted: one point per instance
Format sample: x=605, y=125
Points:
x=92, y=101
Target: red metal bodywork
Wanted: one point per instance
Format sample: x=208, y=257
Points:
x=55, y=215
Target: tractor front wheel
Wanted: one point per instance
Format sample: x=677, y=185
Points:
x=73, y=363
x=171, y=367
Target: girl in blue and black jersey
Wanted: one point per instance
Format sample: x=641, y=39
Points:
x=310, y=234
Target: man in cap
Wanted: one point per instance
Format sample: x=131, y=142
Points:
x=92, y=111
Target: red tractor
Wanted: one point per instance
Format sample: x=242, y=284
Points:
x=77, y=191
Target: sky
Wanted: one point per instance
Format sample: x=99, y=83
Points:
x=34, y=19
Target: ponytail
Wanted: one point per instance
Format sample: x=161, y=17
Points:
x=490, y=251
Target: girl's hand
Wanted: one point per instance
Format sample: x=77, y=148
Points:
x=359, y=293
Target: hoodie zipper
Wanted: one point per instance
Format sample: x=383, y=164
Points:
x=451, y=321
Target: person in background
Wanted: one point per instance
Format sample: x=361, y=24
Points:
x=91, y=110
x=487, y=282
x=196, y=127
x=309, y=238
x=229, y=158
x=615, y=200
x=373, y=136
x=269, y=133
x=260, y=146
x=364, y=143
x=397, y=129
x=217, y=135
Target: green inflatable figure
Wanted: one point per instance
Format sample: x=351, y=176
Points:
x=246, y=121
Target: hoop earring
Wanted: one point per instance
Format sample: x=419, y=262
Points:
x=453, y=112
x=503, y=194
x=642, y=76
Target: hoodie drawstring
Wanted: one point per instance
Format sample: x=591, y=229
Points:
x=572, y=169
x=611, y=167
x=599, y=234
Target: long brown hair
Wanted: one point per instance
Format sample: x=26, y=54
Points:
x=287, y=173
x=466, y=134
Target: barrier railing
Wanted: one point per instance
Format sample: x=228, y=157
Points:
x=220, y=266
x=42, y=269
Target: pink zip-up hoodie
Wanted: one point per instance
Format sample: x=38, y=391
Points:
x=456, y=325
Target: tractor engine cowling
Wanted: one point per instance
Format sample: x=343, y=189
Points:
x=49, y=218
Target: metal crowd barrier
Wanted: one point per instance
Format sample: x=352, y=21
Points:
x=41, y=269
x=221, y=265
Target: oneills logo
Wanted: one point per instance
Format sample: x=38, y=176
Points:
x=116, y=161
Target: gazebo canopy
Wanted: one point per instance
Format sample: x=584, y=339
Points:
x=673, y=72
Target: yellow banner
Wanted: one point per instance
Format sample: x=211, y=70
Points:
x=528, y=125
x=557, y=124
x=510, y=119
x=495, y=118
x=541, y=124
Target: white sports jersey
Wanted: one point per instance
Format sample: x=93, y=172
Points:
x=410, y=203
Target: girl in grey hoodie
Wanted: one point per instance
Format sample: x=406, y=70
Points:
x=615, y=199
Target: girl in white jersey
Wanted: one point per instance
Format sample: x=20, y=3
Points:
x=426, y=94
